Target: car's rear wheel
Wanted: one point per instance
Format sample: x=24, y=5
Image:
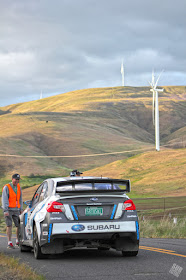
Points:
x=129, y=253
x=37, y=248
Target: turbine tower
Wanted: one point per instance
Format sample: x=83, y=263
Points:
x=41, y=95
x=122, y=74
x=155, y=108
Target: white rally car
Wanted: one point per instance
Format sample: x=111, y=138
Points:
x=80, y=212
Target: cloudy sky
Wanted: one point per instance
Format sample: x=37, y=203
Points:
x=63, y=45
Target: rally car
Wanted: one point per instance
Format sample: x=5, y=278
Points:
x=80, y=212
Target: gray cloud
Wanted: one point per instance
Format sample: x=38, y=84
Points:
x=63, y=45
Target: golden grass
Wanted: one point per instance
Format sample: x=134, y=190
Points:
x=86, y=121
x=15, y=125
x=89, y=98
x=152, y=173
x=10, y=268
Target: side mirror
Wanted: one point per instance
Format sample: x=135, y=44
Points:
x=28, y=203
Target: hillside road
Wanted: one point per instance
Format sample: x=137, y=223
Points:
x=157, y=259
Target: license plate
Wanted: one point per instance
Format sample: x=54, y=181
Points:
x=93, y=211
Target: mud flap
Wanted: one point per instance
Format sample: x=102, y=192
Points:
x=126, y=244
x=56, y=247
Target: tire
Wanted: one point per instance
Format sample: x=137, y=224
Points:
x=129, y=253
x=37, y=248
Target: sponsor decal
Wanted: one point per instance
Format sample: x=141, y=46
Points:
x=131, y=216
x=113, y=212
x=45, y=225
x=78, y=227
x=49, y=232
x=26, y=218
x=102, y=227
x=74, y=212
x=94, y=203
x=130, y=210
x=55, y=218
x=137, y=230
x=98, y=227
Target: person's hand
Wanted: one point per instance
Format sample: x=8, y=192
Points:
x=6, y=214
x=21, y=211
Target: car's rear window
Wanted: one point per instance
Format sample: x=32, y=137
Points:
x=88, y=187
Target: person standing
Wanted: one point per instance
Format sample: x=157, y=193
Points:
x=12, y=205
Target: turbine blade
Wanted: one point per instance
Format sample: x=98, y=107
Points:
x=153, y=78
x=158, y=78
x=122, y=68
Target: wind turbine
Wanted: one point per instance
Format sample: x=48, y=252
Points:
x=155, y=108
x=122, y=74
x=41, y=94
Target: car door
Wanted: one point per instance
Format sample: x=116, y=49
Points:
x=32, y=211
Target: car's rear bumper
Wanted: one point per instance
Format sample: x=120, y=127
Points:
x=89, y=231
x=123, y=241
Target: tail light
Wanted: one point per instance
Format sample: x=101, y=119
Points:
x=55, y=206
x=129, y=205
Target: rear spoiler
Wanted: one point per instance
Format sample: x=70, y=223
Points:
x=92, y=181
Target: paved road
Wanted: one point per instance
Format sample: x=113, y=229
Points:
x=154, y=261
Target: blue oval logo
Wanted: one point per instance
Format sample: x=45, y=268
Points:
x=78, y=227
x=94, y=199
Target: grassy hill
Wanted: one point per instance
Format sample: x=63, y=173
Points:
x=86, y=122
x=152, y=173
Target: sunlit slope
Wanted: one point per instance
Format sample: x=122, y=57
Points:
x=131, y=104
x=152, y=173
x=87, y=122
x=67, y=135
x=91, y=98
